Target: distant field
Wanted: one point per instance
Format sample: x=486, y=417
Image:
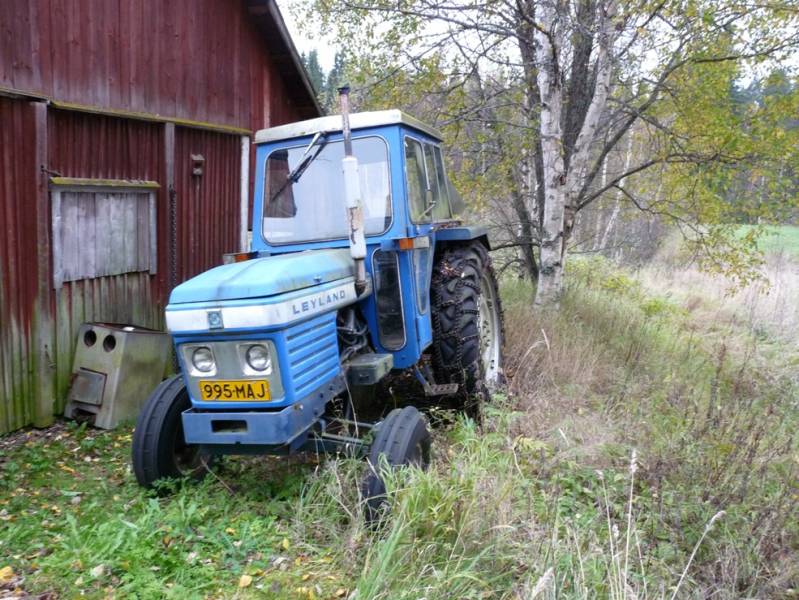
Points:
x=778, y=238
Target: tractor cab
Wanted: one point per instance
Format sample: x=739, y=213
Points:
x=408, y=204
x=359, y=268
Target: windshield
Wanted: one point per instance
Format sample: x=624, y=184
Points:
x=313, y=207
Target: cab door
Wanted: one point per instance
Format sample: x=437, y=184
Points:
x=428, y=203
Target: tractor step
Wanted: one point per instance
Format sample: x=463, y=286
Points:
x=425, y=377
x=440, y=389
x=368, y=369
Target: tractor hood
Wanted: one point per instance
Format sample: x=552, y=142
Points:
x=264, y=277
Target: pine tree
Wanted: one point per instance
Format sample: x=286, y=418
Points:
x=335, y=79
x=315, y=72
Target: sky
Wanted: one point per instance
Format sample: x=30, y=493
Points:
x=304, y=42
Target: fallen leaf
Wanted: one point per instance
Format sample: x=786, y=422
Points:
x=340, y=592
x=245, y=581
x=6, y=574
x=285, y=544
x=98, y=571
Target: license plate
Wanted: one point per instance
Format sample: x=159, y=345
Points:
x=237, y=390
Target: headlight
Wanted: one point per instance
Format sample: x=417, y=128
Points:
x=258, y=358
x=203, y=359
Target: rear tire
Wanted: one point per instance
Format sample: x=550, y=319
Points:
x=402, y=439
x=159, y=448
x=467, y=325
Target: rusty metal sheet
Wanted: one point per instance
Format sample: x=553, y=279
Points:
x=18, y=262
x=208, y=205
x=206, y=61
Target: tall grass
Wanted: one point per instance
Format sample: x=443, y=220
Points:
x=645, y=447
x=637, y=454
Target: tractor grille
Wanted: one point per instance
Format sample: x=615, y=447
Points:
x=313, y=353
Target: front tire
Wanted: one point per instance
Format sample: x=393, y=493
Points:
x=467, y=325
x=159, y=448
x=401, y=440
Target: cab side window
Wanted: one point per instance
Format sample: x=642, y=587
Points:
x=416, y=179
x=442, y=209
x=428, y=188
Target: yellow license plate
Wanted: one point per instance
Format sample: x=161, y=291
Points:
x=237, y=390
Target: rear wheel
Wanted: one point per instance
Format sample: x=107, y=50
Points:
x=159, y=447
x=467, y=324
x=401, y=440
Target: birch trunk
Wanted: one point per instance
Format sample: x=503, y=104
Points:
x=562, y=188
x=550, y=82
x=617, y=205
x=598, y=223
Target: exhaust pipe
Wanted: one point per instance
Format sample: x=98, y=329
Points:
x=352, y=195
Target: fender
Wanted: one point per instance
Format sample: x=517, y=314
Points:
x=464, y=233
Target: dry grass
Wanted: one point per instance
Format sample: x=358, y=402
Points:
x=767, y=307
x=704, y=383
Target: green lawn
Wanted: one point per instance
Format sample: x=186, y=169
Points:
x=74, y=521
x=777, y=238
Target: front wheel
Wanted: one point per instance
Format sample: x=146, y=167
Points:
x=467, y=324
x=402, y=439
x=159, y=448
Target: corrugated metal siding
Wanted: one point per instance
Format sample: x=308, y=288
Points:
x=208, y=205
x=203, y=60
x=18, y=263
x=98, y=147
x=95, y=146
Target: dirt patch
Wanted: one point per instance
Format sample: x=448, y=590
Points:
x=59, y=429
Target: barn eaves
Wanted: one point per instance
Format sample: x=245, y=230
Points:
x=267, y=17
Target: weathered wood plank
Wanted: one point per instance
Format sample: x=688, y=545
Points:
x=116, y=254
x=69, y=224
x=102, y=233
x=84, y=237
x=131, y=233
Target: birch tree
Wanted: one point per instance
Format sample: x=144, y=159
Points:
x=576, y=77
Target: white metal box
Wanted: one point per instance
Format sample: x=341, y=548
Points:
x=116, y=367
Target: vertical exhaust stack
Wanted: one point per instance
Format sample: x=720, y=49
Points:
x=352, y=195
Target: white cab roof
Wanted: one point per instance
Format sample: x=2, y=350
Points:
x=332, y=124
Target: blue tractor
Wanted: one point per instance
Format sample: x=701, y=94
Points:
x=359, y=270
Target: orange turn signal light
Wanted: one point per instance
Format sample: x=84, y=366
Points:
x=236, y=257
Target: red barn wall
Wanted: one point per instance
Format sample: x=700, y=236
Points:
x=198, y=74
x=200, y=60
x=18, y=273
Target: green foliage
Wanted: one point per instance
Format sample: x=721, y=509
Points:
x=74, y=522
x=712, y=154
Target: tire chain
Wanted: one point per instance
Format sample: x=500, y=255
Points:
x=452, y=266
